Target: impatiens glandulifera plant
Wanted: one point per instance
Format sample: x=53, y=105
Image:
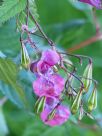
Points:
x=53, y=90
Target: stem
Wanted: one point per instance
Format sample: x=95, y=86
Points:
x=33, y=44
x=68, y=54
x=86, y=43
x=27, y=12
x=41, y=31
x=71, y=73
x=79, y=57
x=97, y=25
x=95, y=82
x=86, y=57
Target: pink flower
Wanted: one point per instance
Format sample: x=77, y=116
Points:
x=51, y=57
x=44, y=65
x=95, y=3
x=61, y=115
x=52, y=85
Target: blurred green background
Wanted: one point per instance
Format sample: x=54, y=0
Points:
x=67, y=23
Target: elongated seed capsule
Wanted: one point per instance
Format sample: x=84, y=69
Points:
x=39, y=105
x=76, y=103
x=81, y=113
x=52, y=114
x=92, y=101
x=87, y=75
x=25, y=59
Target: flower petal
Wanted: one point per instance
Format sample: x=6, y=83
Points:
x=52, y=85
x=51, y=57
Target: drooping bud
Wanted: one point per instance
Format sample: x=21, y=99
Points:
x=87, y=76
x=81, y=113
x=55, y=69
x=39, y=105
x=25, y=59
x=92, y=101
x=76, y=103
x=51, y=115
x=33, y=66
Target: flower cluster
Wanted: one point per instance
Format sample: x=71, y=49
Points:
x=95, y=3
x=48, y=87
x=51, y=89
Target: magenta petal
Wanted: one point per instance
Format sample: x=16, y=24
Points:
x=51, y=57
x=52, y=86
x=62, y=114
x=58, y=82
x=43, y=87
x=42, y=67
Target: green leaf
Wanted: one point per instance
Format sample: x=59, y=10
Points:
x=11, y=8
x=8, y=75
x=9, y=39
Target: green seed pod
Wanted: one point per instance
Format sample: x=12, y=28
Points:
x=39, y=105
x=92, y=101
x=76, y=103
x=81, y=113
x=52, y=114
x=86, y=77
x=55, y=69
x=25, y=60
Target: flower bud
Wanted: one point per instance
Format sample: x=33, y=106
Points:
x=25, y=60
x=87, y=76
x=92, y=101
x=55, y=68
x=81, y=113
x=33, y=66
x=52, y=114
x=76, y=103
x=40, y=104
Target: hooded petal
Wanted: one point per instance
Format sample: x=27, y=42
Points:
x=51, y=57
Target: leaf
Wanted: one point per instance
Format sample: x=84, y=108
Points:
x=11, y=8
x=8, y=75
x=9, y=39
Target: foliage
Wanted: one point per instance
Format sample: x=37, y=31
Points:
x=10, y=9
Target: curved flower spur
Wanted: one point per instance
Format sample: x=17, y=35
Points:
x=50, y=87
